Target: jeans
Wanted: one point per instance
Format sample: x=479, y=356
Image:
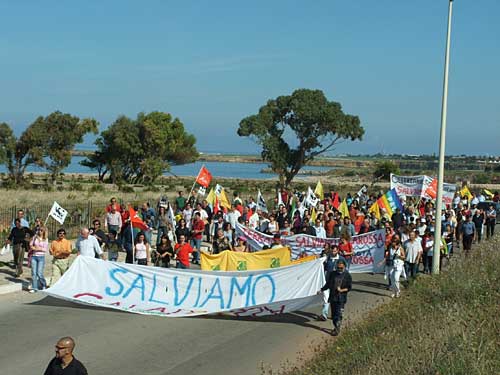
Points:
x=467, y=241
x=479, y=232
x=411, y=269
x=181, y=266
x=130, y=253
x=337, y=312
x=37, y=266
x=148, y=234
x=348, y=261
x=196, y=244
x=490, y=228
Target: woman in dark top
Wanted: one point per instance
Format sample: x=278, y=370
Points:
x=182, y=229
x=165, y=252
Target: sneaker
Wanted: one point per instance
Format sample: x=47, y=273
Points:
x=322, y=318
x=393, y=295
x=398, y=295
x=32, y=291
x=335, y=332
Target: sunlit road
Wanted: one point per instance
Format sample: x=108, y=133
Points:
x=114, y=342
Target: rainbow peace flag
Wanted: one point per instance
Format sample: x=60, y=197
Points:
x=390, y=202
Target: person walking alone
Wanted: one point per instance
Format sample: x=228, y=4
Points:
x=64, y=361
x=339, y=283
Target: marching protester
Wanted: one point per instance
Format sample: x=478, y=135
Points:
x=397, y=254
x=339, y=283
x=491, y=217
x=164, y=252
x=39, y=246
x=113, y=245
x=413, y=251
x=182, y=252
x=60, y=249
x=330, y=265
x=468, y=234
x=87, y=245
x=221, y=243
x=19, y=237
x=141, y=249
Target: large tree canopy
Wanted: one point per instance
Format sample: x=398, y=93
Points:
x=141, y=150
x=316, y=125
x=48, y=142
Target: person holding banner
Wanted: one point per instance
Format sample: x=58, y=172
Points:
x=182, y=251
x=339, y=283
x=141, y=249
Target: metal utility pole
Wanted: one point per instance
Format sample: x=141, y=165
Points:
x=442, y=142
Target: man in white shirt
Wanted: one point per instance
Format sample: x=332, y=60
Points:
x=232, y=216
x=87, y=245
x=113, y=220
x=320, y=231
x=414, y=251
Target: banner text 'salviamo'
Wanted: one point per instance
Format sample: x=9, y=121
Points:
x=176, y=293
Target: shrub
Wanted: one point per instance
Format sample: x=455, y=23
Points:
x=96, y=188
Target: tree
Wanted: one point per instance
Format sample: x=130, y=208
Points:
x=47, y=142
x=315, y=124
x=141, y=150
x=384, y=169
x=58, y=134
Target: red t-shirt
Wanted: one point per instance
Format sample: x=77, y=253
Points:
x=345, y=248
x=198, y=225
x=183, y=252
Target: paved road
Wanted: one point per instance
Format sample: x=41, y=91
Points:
x=110, y=341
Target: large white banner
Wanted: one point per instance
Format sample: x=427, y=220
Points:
x=368, y=248
x=175, y=293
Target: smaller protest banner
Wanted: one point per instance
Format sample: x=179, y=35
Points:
x=237, y=261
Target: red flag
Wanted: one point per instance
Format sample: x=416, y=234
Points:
x=336, y=202
x=136, y=220
x=204, y=177
x=431, y=190
x=216, y=206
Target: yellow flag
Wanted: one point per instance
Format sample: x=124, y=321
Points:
x=488, y=193
x=223, y=201
x=313, y=215
x=465, y=192
x=375, y=209
x=211, y=197
x=319, y=190
x=344, y=210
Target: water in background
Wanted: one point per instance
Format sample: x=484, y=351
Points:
x=218, y=169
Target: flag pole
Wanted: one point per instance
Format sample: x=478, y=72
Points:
x=132, y=239
x=442, y=143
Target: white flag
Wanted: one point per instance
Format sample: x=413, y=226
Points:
x=311, y=198
x=170, y=215
x=202, y=190
x=261, y=202
x=218, y=189
x=280, y=200
x=361, y=191
x=58, y=213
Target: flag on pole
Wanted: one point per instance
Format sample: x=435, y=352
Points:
x=390, y=202
x=311, y=199
x=488, y=193
x=211, y=197
x=293, y=207
x=336, y=201
x=261, y=202
x=171, y=215
x=202, y=190
x=136, y=220
x=362, y=191
x=319, y=190
x=313, y=215
x=221, y=196
x=375, y=210
x=344, y=210
x=58, y=213
x=280, y=199
x=465, y=192
x=204, y=177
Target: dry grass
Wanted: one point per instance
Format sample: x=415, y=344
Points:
x=446, y=324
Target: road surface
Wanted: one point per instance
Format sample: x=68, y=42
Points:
x=109, y=341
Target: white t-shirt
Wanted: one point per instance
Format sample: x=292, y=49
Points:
x=413, y=249
x=232, y=217
x=320, y=232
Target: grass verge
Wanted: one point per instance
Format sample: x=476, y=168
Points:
x=446, y=324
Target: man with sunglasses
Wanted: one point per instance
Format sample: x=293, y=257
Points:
x=64, y=362
x=60, y=249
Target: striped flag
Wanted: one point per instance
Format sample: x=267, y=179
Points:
x=390, y=202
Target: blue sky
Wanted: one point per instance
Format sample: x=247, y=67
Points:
x=213, y=63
